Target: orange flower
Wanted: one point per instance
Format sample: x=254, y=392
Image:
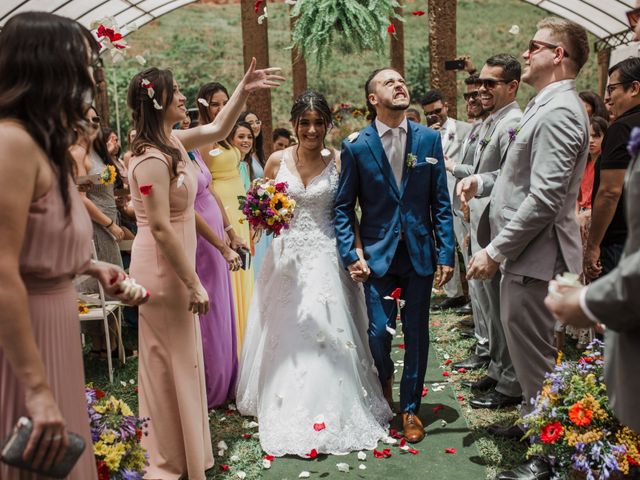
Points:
x=580, y=415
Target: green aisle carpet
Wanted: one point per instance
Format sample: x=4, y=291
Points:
x=445, y=427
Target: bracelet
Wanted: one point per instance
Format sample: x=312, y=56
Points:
x=109, y=226
x=228, y=227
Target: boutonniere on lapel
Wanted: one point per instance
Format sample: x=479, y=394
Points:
x=352, y=138
x=411, y=160
x=473, y=137
x=633, y=147
x=513, y=133
x=484, y=142
x=452, y=135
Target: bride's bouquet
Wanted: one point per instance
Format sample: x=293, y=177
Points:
x=267, y=207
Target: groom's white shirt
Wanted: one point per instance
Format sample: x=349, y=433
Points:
x=383, y=128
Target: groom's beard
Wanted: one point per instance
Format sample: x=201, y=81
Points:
x=398, y=107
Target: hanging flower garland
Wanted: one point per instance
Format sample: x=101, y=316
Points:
x=349, y=25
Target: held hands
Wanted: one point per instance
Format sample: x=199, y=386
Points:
x=482, y=266
x=359, y=270
x=443, y=275
x=48, y=441
x=260, y=79
x=467, y=189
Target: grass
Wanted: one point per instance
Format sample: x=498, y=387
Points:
x=202, y=43
x=244, y=454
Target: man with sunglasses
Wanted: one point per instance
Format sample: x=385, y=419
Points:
x=608, y=231
x=532, y=214
x=498, y=86
x=452, y=134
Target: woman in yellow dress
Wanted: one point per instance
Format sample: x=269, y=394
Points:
x=223, y=160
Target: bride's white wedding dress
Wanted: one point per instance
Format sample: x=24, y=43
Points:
x=306, y=359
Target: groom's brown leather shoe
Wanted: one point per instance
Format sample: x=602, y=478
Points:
x=412, y=427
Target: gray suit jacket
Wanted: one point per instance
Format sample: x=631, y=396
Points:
x=465, y=167
x=615, y=300
x=488, y=159
x=452, y=148
x=533, y=199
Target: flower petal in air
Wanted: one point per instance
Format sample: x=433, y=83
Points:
x=146, y=189
x=417, y=13
x=452, y=451
x=391, y=29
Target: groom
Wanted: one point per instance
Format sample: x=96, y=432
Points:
x=395, y=170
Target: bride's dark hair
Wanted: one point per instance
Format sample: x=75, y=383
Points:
x=46, y=84
x=312, y=100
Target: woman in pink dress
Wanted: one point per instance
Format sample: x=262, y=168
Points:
x=45, y=90
x=163, y=184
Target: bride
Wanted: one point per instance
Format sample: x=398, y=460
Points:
x=306, y=372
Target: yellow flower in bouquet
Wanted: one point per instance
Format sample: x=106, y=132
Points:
x=108, y=175
x=82, y=308
x=114, y=456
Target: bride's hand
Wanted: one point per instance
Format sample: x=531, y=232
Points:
x=261, y=79
x=359, y=270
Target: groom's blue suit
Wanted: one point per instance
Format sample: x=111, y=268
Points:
x=405, y=232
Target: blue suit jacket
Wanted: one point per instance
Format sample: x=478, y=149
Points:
x=420, y=208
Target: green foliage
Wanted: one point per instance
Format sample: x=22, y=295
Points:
x=349, y=25
x=417, y=73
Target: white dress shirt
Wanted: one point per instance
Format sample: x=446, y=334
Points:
x=386, y=135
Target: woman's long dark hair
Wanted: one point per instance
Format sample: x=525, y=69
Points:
x=147, y=120
x=598, y=107
x=100, y=147
x=229, y=141
x=207, y=91
x=46, y=84
x=258, y=142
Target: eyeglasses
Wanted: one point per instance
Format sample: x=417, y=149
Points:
x=470, y=96
x=437, y=111
x=490, y=83
x=633, y=16
x=535, y=45
x=612, y=86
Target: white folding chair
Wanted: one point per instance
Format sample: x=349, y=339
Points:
x=101, y=309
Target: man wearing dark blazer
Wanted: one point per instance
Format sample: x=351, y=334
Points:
x=535, y=233
x=394, y=169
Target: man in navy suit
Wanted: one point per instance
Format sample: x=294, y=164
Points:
x=395, y=170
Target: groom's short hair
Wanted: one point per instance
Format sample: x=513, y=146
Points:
x=367, y=90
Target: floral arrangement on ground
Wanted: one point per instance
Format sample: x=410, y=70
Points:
x=116, y=433
x=572, y=424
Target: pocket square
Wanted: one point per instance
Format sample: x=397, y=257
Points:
x=431, y=160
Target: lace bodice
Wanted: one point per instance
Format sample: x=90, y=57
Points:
x=312, y=227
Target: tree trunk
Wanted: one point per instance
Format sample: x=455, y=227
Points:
x=397, y=43
x=604, y=57
x=102, y=96
x=442, y=46
x=255, y=43
x=298, y=66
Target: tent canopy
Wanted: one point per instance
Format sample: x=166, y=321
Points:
x=603, y=18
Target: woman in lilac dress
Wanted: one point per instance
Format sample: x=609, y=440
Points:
x=214, y=259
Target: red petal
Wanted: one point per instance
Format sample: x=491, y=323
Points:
x=393, y=433
x=417, y=13
x=462, y=370
x=401, y=346
x=319, y=426
x=413, y=451
x=145, y=189
x=271, y=458
x=448, y=362
x=425, y=390
x=450, y=450
x=445, y=374
x=460, y=398
x=246, y=435
x=437, y=408
x=398, y=291
x=377, y=454
x=403, y=442
x=224, y=467
x=256, y=7
x=391, y=29
x=313, y=453
x=386, y=452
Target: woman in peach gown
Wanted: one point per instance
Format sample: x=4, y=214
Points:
x=223, y=160
x=163, y=187
x=46, y=238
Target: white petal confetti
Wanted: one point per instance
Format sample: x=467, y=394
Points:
x=343, y=467
x=325, y=152
x=263, y=17
x=389, y=440
x=124, y=384
x=222, y=445
x=132, y=381
x=362, y=466
x=443, y=422
x=221, y=453
x=250, y=424
x=180, y=180
x=514, y=30
x=392, y=331
x=203, y=101
x=241, y=475
x=350, y=344
x=304, y=474
x=215, y=152
x=232, y=406
x=353, y=137
x=156, y=105
x=362, y=456
x=234, y=458
x=141, y=60
x=290, y=2
x=266, y=463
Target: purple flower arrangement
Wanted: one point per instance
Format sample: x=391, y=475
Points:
x=267, y=207
x=633, y=147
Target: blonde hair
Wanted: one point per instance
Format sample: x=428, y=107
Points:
x=572, y=35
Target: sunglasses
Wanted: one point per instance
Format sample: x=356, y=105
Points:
x=632, y=17
x=437, y=111
x=535, y=45
x=470, y=96
x=489, y=83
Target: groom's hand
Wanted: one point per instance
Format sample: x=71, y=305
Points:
x=443, y=275
x=359, y=271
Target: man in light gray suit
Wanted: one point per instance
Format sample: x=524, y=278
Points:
x=613, y=300
x=452, y=133
x=532, y=213
x=499, y=82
